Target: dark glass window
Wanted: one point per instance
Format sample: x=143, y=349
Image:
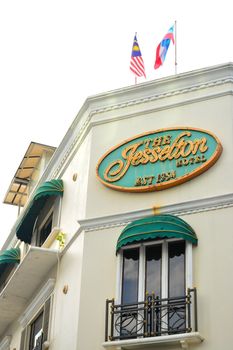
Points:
x=176, y=289
x=153, y=269
x=36, y=332
x=130, y=276
x=176, y=269
x=45, y=231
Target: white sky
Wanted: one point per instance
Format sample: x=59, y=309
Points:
x=54, y=54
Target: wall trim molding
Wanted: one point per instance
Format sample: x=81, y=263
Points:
x=37, y=302
x=90, y=122
x=183, y=340
x=5, y=343
x=163, y=95
x=181, y=209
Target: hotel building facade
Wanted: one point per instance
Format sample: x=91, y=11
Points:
x=124, y=237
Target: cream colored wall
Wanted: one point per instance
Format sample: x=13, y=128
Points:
x=213, y=262
x=75, y=192
x=65, y=317
x=214, y=115
x=98, y=283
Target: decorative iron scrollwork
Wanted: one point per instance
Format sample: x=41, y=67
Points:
x=152, y=317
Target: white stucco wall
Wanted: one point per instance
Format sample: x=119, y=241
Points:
x=88, y=266
x=98, y=283
x=212, y=115
x=75, y=192
x=66, y=307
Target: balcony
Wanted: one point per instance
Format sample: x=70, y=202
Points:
x=24, y=282
x=153, y=321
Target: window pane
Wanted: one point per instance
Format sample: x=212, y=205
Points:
x=36, y=331
x=176, y=265
x=130, y=276
x=45, y=230
x=153, y=269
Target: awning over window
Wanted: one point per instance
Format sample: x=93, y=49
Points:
x=47, y=189
x=20, y=187
x=10, y=256
x=159, y=226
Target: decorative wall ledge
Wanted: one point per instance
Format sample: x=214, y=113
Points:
x=184, y=208
x=5, y=343
x=184, y=340
x=37, y=302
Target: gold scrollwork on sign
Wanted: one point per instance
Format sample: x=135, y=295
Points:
x=158, y=159
x=181, y=147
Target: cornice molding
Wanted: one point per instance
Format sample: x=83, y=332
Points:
x=181, y=209
x=5, y=343
x=37, y=302
x=89, y=122
x=163, y=95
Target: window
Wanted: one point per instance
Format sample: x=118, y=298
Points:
x=153, y=268
x=35, y=340
x=47, y=199
x=6, y=271
x=153, y=273
x=154, y=280
x=44, y=230
x=47, y=219
x=36, y=332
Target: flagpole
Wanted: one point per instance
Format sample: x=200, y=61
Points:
x=175, y=47
x=135, y=80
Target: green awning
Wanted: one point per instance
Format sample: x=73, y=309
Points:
x=47, y=189
x=10, y=256
x=159, y=226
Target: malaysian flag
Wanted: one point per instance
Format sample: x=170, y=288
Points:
x=136, y=62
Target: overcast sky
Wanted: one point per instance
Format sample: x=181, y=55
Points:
x=54, y=54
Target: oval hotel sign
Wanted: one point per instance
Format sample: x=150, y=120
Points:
x=158, y=159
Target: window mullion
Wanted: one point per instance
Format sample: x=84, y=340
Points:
x=141, y=279
x=188, y=265
x=119, y=277
x=164, y=277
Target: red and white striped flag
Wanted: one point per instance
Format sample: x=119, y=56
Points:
x=136, y=62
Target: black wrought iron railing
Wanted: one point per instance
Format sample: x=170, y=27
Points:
x=152, y=317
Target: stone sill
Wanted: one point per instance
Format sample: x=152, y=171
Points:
x=184, y=340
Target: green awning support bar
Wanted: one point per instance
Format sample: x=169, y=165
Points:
x=159, y=226
x=47, y=189
x=10, y=256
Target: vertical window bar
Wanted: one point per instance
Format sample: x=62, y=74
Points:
x=141, y=277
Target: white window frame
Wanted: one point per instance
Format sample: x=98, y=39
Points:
x=164, y=273
x=34, y=309
x=54, y=210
